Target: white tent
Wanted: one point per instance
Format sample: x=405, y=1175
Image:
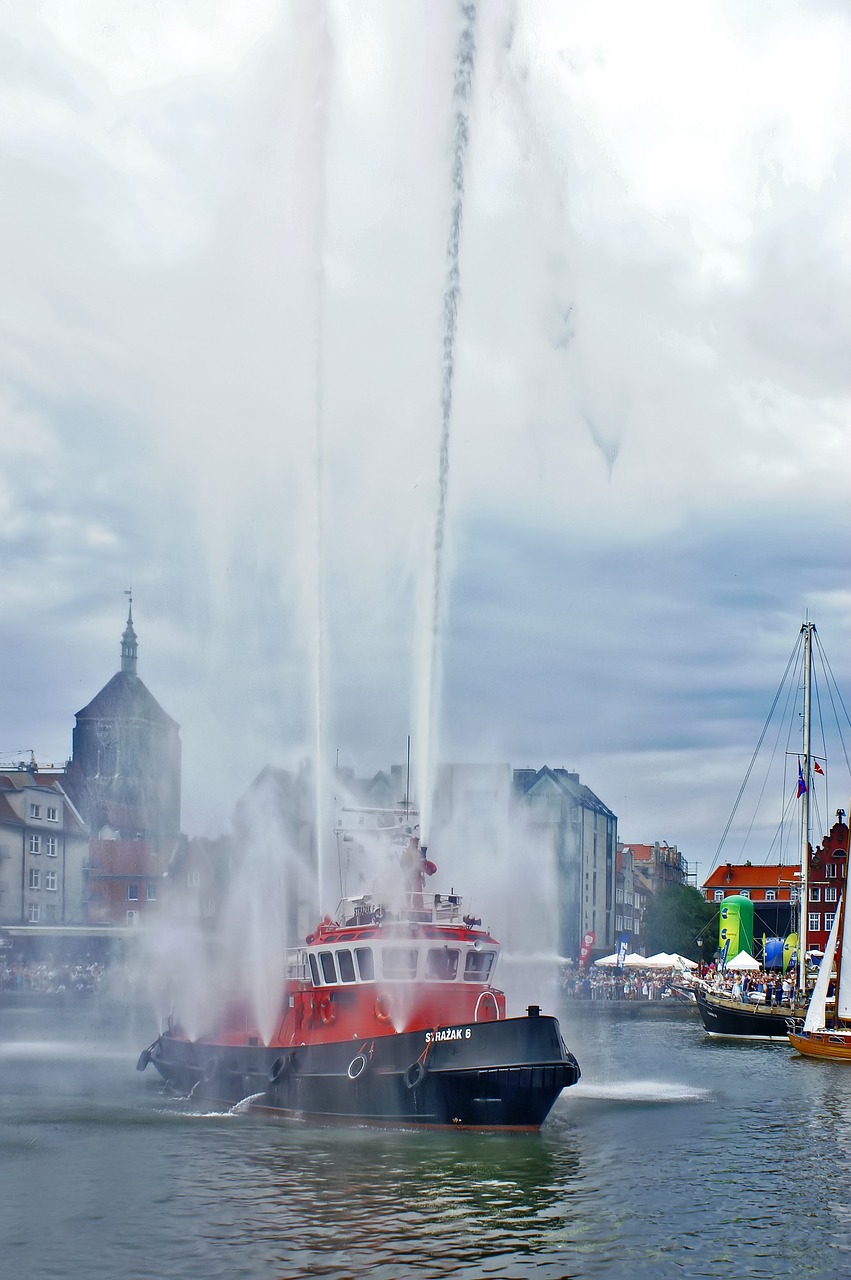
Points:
x=608, y=962
x=635, y=961
x=743, y=961
x=662, y=960
x=682, y=962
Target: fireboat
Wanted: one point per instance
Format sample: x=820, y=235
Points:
x=388, y=1016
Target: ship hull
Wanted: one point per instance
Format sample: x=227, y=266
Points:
x=832, y=1046
x=504, y=1074
x=723, y=1016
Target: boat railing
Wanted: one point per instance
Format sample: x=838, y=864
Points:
x=414, y=906
x=296, y=965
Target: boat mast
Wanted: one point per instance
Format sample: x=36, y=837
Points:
x=807, y=632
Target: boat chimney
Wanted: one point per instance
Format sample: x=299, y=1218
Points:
x=533, y=1010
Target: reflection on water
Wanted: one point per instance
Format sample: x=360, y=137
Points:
x=675, y=1156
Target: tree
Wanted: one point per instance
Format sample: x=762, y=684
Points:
x=675, y=918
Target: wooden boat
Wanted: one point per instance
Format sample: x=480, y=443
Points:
x=826, y=1030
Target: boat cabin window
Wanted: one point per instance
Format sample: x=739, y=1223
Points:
x=366, y=964
x=399, y=962
x=326, y=959
x=442, y=964
x=314, y=969
x=346, y=966
x=478, y=965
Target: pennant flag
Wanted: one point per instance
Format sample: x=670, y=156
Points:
x=817, y=767
x=802, y=786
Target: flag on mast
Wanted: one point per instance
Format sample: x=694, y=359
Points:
x=802, y=786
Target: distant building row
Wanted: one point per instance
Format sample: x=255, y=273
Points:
x=98, y=842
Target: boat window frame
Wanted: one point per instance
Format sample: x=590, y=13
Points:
x=366, y=966
x=314, y=969
x=476, y=972
x=444, y=952
x=326, y=958
x=403, y=973
x=349, y=963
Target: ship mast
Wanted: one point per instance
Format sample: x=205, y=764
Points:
x=807, y=632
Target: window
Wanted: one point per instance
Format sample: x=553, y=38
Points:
x=314, y=970
x=830, y=871
x=813, y=921
x=35, y=878
x=326, y=959
x=51, y=846
x=35, y=844
x=770, y=895
x=744, y=893
x=442, y=964
x=815, y=893
x=830, y=895
x=132, y=917
x=366, y=963
x=34, y=913
x=35, y=810
x=346, y=965
x=208, y=907
x=478, y=966
x=132, y=893
x=399, y=963
x=193, y=879
x=151, y=892
x=718, y=895
x=52, y=814
x=829, y=917
x=50, y=880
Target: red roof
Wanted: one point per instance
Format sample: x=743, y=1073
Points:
x=733, y=877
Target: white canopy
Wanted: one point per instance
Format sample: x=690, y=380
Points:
x=743, y=961
x=682, y=962
x=635, y=961
x=662, y=960
x=608, y=962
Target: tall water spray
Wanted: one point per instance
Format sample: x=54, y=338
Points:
x=429, y=632
x=320, y=118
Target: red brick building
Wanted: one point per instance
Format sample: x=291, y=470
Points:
x=775, y=889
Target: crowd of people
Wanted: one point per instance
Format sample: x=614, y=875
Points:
x=631, y=984
x=760, y=987
x=45, y=977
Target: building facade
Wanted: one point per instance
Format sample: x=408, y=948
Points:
x=775, y=890
x=43, y=851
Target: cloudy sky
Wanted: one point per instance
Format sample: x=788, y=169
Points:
x=224, y=259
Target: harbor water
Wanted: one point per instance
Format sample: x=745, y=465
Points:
x=676, y=1155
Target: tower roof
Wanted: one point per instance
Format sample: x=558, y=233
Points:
x=126, y=697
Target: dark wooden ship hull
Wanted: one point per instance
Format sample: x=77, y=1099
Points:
x=724, y=1016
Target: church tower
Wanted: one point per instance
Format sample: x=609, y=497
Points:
x=124, y=773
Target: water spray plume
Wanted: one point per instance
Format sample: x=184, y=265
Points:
x=323, y=76
x=430, y=683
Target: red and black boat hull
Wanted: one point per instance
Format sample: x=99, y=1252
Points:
x=504, y=1074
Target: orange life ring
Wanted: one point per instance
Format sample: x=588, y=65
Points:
x=327, y=1011
x=383, y=1008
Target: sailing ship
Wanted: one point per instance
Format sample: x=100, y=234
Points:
x=825, y=1032
x=720, y=1012
x=388, y=1015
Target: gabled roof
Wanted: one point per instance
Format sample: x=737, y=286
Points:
x=125, y=697
x=563, y=780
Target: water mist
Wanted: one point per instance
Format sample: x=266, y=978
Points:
x=430, y=626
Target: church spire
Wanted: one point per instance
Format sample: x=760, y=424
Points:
x=129, y=647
